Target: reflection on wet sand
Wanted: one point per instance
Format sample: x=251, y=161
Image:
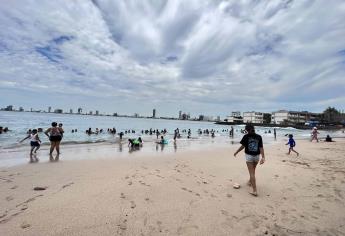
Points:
x=54, y=159
x=33, y=158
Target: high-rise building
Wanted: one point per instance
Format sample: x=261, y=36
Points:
x=154, y=113
x=180, y=115
x=49, y=109
x=70, y=111
x=97, y=113
x=21, y=109
x=80, y=110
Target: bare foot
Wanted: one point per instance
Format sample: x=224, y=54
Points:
x=255, y=194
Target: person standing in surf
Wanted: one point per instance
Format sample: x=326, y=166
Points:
x=54, y=134
x=253, y=147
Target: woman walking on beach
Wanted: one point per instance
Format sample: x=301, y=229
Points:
x=54, y=134
x=253, y=147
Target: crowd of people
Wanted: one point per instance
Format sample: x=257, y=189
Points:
x=251, y=142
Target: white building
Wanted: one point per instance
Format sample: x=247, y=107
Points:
x=235, y=117
x=289, y=117
x=253, y=117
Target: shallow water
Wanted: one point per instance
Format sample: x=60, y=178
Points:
x=20, y=122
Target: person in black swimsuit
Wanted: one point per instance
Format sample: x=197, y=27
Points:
x=54, y=134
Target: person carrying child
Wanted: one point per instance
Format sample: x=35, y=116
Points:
x=35, y=141
x=291, y=144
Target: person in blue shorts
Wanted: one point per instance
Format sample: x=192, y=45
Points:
x=291, y=144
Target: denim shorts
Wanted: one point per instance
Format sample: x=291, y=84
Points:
x=251, y=158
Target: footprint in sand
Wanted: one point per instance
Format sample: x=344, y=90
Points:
x=159, y=225
x=224, y=212
x=25, y=225
x=130, y=182
x=122, y=196
x=9, y=198
x=133, y=205
x=123, y=225
x=67, y=185
x=14, y=187
x=143, y=183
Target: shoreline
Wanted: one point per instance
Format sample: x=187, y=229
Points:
x=321, y=126
x=183, y=193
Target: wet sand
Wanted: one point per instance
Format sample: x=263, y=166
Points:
x=182, y=193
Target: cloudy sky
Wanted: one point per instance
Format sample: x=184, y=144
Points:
x=203, y=57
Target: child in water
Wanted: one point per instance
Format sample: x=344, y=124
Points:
x=35, y=141
x=291, y=144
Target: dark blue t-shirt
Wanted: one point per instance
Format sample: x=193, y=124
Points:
x=252, y=144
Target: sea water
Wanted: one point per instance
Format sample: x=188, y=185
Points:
x=19, y=123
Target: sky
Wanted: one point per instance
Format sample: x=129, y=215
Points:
x=200, y=57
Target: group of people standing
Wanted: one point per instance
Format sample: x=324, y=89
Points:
x=54, y=134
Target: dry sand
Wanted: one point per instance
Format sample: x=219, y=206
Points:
x=187, y=193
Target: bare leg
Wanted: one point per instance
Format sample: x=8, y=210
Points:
x=295, y=152
x=52, y=146
x=57, y=147
x=251, y=168
x=289, y=151
x=38, y=147
x=32, y=148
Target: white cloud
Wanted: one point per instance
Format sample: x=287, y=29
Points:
x=208, y=54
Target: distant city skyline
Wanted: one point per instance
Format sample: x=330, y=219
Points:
x=203, y=57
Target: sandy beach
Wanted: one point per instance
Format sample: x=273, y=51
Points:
x=186, y=193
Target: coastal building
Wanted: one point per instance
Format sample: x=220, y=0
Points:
x=180, y=115
x=236, y=113
x=49, y=109
x=154, y=113
x=21, y=109
x=58, y=111
x=9, y=108
x=289, y=117
x=71, y=111
x=253, y=117
x=235, y=117
x=97, y=113
x=80, y=110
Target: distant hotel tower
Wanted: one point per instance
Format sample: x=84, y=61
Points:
x=49, y=109
x=154, y=113
x=180, y=115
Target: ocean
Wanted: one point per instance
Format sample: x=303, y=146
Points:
x=18, y=124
